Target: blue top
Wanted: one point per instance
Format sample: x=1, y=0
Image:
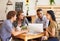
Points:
x=5, y=30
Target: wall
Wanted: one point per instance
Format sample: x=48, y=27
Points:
x=31, y=6
x=2, y=9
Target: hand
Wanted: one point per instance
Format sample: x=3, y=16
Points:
x=47, y=30
x=24, y=31
x=18, y=28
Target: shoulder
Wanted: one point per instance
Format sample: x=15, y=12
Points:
x=54, y=24
x=6, y=22
x=37, y=18
x=25, y=19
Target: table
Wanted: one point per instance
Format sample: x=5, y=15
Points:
x=26, y=37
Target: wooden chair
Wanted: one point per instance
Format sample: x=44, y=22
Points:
x=58, y=31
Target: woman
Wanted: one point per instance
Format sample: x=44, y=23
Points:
x=51, y=30
x=7, y=28
x=21, y=20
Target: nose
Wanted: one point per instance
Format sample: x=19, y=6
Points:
x=16, y=17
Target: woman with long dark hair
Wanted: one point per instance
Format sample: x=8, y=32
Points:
x=51, y=30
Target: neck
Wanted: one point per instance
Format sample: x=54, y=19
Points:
x=51, y=20
x=41, y=18
x=11, y=20
x=19, y=20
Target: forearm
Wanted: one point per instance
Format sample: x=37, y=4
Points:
x=50, y=33
x=46, y=33
x=17, y=33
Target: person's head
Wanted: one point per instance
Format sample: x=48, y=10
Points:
x=11, y=15
x=39, y=13
x=50, y=15
x=20, y=15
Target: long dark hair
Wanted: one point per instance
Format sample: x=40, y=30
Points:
x=50, y=12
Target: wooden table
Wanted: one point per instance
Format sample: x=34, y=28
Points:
x=26, y=37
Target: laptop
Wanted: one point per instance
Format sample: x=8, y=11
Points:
x=35, y=28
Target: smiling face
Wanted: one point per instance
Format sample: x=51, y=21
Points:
x=21, y=16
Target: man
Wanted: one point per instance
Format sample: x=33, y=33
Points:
x=41, y=18
x=7, y=28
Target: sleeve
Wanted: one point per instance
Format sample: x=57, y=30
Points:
x=9, y=27
x=15, y=24
x=54, y=25
x=26, y=20
x=36, y=21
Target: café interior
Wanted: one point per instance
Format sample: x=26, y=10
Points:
x=29, y=8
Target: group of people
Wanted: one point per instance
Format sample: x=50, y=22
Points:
x=15, y=19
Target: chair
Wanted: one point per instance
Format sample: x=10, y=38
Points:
x=58, y=31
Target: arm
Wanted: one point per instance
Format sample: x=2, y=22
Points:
x=46, y=33
x=11, y=29
x=51, y=33
x=36, y=21
x=26, y=21
x=15, y=33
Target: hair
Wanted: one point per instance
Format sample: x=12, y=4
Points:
x=18, y=14
x=50, y=12
x=11, y=14
x=39, y=9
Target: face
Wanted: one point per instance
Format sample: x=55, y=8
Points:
x=21, y=16
x=39, y=14
x=48, y=16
